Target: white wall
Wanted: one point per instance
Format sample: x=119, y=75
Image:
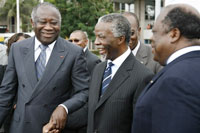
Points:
x=194, y=3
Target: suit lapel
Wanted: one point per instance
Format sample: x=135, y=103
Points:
x=29, y=64
x=57, y=57
x=159, y=74
x=121, y=75
x=152, y=82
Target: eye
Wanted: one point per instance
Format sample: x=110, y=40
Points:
x=101, y=36
x=53, y=22
x=132, y=33
x=42, y=22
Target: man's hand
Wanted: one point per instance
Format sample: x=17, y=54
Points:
x=50, y=128
x=59, y=118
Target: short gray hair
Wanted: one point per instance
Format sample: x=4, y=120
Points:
x=84, y=33
x=120, y=25
x=44, y=4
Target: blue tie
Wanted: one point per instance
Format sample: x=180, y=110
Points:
x=40, y=63
x=106, y=77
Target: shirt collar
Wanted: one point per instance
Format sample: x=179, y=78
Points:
x=37, y=43
x=119, y=60
x=182, y=52
x=84, y=49
x=135, y=50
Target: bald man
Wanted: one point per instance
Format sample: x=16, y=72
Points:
x=142, y=52
x=170, y=103
x=80, y=38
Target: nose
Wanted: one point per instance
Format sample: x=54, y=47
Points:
x=151, y=41
x=48, y=26
x=97, y=42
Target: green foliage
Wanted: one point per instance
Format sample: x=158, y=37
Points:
x=9, y=10
x=81, y=15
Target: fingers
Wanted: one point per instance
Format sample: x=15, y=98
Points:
x=48, y=127
x=59, y=117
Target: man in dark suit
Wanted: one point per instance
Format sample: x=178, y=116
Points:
x=46, y=73
x=141, y=51
x=170, y=103
x=111, y=104
x=80, y=38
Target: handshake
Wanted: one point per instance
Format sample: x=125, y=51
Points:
x=50, y=128
x=57, y=121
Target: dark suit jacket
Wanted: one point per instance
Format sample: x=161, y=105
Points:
x=145, y=56
x=2, y=70
x=65, y=81
x=112, y=113
x=170, y=103
x=91, y=60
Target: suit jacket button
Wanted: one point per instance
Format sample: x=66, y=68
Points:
x=23, y=85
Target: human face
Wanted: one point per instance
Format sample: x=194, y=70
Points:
x=135, y=31
x=78, y=39
x=161, y=46
x=105, y=40
x=46, y=25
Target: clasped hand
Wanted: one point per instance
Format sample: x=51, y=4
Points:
x=57, y=121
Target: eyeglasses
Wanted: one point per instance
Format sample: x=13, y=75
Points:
x=75, y=40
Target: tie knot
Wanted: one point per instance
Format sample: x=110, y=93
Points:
x=43, y=47
x=110, y=64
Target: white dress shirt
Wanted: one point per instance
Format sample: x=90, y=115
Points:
x=182, y=52
x=49, y=50
x=37, y=49
x=118, y=61
x=135, y=50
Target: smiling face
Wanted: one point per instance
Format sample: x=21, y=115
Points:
x=105, y=40
x=46, y=25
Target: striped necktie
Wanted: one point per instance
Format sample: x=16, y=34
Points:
x=40, y=63
x=106, y=77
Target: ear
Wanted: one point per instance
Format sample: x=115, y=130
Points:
x=121, y=40
x=139, y=30
x=32, y=23
x=175, y=35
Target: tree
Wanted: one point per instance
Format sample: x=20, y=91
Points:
x=9, y=11
x=81, y=14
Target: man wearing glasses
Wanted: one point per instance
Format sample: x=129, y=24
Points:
x=80, y=38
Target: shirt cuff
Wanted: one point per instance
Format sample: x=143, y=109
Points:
x=64, y=107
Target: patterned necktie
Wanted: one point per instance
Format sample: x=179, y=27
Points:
x=106, y=77
x=40, y=63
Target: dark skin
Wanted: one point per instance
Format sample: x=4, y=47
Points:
x=47, y=28
x=135, y=31
x=105, y=40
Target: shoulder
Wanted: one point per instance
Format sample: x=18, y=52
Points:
x=68, y=45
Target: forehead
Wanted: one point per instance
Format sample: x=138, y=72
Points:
x=102, y=27
x=45, y=12
x=76, y=35
x=132, y=21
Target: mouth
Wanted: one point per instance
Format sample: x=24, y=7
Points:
x=102, y=51
x=47, y=35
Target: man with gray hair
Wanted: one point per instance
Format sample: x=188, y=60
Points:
x=117, y=82
x=80, y=38
x=47, y=74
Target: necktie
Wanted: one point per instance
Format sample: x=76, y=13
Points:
x=106, y=77
x=40, y=63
